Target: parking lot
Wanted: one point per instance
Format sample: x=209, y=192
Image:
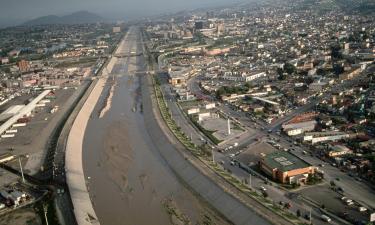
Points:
x=33, y=138
x=7, y=178
x=333, y=202
x=253, y=154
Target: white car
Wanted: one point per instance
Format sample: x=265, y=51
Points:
x=362, y=209
x=325, y=218
x=350, y=203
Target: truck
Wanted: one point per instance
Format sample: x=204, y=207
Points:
x=13, y=131
x=7, y=135
x=19, y=125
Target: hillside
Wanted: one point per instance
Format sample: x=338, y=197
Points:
x=74, y=18
x=348, y=6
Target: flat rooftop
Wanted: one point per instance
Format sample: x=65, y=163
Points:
x=284, y=161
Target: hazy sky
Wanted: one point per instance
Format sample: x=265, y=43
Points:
x=19, y=10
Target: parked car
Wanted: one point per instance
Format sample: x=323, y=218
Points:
x=362, y=209
x=325, y=218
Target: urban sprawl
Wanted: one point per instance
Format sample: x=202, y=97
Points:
x=278, y=99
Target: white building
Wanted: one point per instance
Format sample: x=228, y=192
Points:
x=210, y=106
x=193, y=111
x=244, y=77
x=316, y=137
x=297, y=128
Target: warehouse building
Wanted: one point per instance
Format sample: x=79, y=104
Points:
x=300, y=124
x=286, y=168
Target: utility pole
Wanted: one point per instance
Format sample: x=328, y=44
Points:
x=23, y=177
x=250, y=180
x=213, y=156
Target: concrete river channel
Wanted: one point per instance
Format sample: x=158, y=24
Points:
x=133, y=173
x=128, y=180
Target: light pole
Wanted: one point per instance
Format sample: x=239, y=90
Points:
x=213, y=156
x=23, y=177
x=45, y=209
x=250, y=180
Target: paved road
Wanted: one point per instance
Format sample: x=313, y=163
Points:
x=177, y=114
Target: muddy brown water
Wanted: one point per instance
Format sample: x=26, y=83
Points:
x=128, y=180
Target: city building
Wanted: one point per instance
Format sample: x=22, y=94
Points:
x=178, y=76
x=285, y=167
x=116, y=29
x=300, y=124
x=198, y=25
x=328, y=136
x=339, y=150
x=23, y=65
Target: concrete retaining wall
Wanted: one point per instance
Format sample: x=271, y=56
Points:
x=75, y=177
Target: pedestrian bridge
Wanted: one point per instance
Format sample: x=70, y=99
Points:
x=125, y=55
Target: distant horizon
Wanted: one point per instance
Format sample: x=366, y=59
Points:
x=10, y=14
